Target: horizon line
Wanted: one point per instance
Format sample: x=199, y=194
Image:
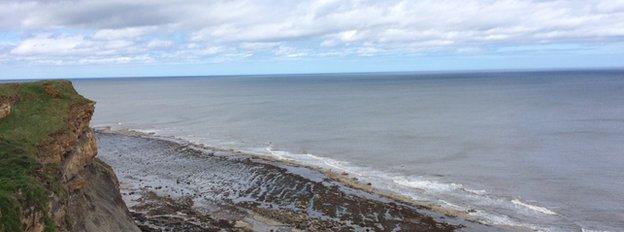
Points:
x=466, y=71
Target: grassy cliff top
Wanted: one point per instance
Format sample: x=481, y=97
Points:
x=36, y=110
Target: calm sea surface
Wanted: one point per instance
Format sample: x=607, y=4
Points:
x=530, y=150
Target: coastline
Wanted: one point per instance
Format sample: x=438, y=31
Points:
x=360, y=201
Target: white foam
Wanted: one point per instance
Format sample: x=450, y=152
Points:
x=281, y=155
x=424, y=184
x=589, y=230
x=533, y=207
x=452, y=206
x=476, y=191
x=310, y=159
x=147, y=131
x=434, y=186
x=504, y=220
x=332, y=163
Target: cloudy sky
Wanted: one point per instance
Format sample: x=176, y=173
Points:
x=51, y=39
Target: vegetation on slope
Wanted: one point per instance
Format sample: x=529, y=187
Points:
x=38, y=110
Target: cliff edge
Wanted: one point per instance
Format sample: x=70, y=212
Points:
x=50, y=178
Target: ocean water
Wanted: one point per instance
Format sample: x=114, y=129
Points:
x=518, y=150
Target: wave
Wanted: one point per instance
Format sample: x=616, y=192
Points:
x=533, y=207
x=428, y=185
x=453, y=198
x=589, y=230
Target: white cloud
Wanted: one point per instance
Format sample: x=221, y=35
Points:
x=193, y=29
x=348, y=36
x=48, y=45
x=258, y=46
x=289, y=52
x=157, y=43
x=115, y=60
x=210, y=50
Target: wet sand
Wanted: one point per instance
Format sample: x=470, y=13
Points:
x=173, y=185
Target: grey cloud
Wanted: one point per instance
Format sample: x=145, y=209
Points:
x=109, y=15
x=106, y=14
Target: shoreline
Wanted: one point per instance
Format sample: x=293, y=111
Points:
x=342, y=177
x=347, y=184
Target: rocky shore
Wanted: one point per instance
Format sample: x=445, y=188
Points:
x=172, y=185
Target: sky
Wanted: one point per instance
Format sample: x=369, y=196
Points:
x=75, y=38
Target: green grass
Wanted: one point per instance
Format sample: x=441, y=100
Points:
x=37, y=114
x=19, y=187
x=41, y=109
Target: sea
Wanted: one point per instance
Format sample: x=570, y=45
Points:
x=534, y=151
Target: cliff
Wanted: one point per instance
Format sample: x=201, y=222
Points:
x=50, y=178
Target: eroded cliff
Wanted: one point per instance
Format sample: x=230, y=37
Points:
x=50, y=178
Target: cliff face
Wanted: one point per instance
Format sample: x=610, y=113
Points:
x=50, y=178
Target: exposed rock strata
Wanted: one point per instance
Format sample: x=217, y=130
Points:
x=99, y=207
x=83, y=192
x=5, y=109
